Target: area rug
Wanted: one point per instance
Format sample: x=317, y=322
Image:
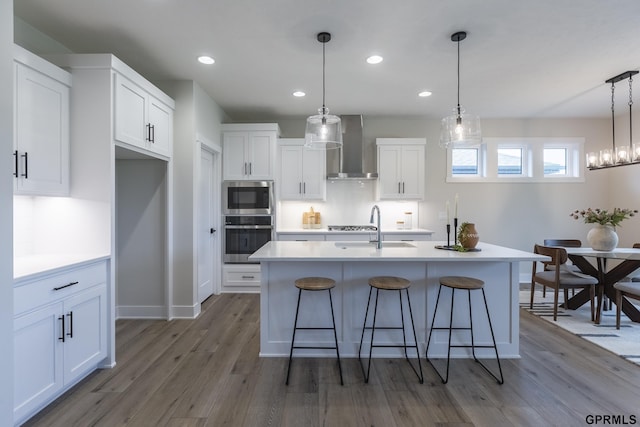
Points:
x=624, y=342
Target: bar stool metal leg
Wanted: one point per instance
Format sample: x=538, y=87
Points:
x=293, y=338
x=335, y=336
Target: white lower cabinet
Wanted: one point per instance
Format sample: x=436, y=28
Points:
x=57, y=342
x=241, y=278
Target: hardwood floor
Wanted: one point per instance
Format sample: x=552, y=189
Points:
x=206, y=372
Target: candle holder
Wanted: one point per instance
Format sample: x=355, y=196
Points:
x=448, y=235
x=455, y=230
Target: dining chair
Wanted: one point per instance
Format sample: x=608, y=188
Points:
x=567, y=243
x=629, y=289
x=560, y=277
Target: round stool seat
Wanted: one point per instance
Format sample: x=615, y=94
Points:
x=460, y=282
x=389, y=282
x=315, y=283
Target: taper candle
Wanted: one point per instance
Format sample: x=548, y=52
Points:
x=455, y=212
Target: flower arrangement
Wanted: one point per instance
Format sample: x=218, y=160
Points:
x=602, y=216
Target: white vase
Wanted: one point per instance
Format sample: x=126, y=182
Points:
x=602, y=238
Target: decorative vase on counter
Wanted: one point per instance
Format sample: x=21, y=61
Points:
x=602, y=238
x=468, y=236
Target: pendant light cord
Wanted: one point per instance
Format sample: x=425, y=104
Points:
x=458, y=78
x=323, y=67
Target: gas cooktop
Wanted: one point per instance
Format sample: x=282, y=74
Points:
x=352, y=228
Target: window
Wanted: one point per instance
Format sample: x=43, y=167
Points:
x=555, y=161
x=510, y=161
x=518, y=160
x=464, y=161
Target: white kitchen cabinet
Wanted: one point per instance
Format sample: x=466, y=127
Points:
x=141, y=119
x=60, y=333
x=241, y=278
x=41, y=138
x=301, y=237
x=302, y=171
x=401, y=163
x=249, y=151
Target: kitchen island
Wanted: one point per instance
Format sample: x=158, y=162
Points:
x=351, y=264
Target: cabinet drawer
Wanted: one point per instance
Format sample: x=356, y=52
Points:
x=406, y=237
x=32, y=294
x=243, y=278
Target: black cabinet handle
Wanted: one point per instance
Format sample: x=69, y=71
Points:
x=403, y=187
x=399, y=187
x=65, y=286
x=61, y=337
x=212, y=230
x=26, y=165
x=15, y=159
x=70, y=333
x=300, y=187
x=248, y=277
x=304, y=188
x=245, y=168
x=148, y=137
x=152, y=133
x=250, y=169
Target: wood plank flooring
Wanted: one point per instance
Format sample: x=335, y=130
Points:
x=206, y=372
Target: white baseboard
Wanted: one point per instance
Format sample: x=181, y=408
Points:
x=141, y=312
x=186, y=311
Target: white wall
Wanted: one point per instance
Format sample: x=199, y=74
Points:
x=196, y=115
x=6, y=212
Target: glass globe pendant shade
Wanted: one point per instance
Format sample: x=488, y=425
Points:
x=323, y=131
x=460, y=130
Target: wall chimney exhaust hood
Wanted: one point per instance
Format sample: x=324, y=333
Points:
x=351, y=160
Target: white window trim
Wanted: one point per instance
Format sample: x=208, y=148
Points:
x=533, y=160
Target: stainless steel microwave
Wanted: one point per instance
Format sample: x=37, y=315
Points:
x=248, y=198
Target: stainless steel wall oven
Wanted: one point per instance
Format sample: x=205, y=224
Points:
x=245, y=234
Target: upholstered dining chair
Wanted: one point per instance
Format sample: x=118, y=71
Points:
x=560, y=277
x=628, y=289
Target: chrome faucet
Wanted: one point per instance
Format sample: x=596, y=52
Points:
x=379, y=241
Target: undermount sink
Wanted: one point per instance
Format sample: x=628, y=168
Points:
x=345, y=245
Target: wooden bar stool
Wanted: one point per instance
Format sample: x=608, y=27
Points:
x=389, y=283
x=469, y=284
x=314, y=284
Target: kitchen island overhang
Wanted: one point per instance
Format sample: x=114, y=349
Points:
x=351, y=264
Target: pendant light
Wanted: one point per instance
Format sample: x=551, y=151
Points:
x=617, y=155
x=460, y=129
x=324, y=130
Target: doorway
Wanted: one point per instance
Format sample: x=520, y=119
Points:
x=208, y=226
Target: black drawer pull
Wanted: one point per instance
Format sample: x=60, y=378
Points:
x=65, y=286
x=26, y=165
x=248, y=277
x=15, y=156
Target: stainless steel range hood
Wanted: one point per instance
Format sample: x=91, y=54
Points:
x=352, y=161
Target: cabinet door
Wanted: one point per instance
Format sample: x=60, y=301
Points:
x=261, y=152
x=161, y=122
x=41, y=134
x=85, y=332
x=38, y=356
x=412, y=170
x=131, y=106
x=314, y=174
x=234, y=166
x=291, y=163
x=390, y=178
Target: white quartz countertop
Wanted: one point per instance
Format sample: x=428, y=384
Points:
x=275, y=251
x=31, y=266
x=326, y=231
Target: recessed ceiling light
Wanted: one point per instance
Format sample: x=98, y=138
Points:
x=374, y=59
x=207, y=60
x=424, y=94
x=299, y=94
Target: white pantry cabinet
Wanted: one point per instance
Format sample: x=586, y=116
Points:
x=60, y=333
x=249, y=151
x=141, y=119
x=401, y=164
x=41, y=137
x=302, y=171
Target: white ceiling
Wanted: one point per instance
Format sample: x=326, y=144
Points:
x=535, y=58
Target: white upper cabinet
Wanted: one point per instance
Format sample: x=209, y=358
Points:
x=141, y=119
x=41, y=138
x=401, y=164
x=249, y=151
x=302, y=171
